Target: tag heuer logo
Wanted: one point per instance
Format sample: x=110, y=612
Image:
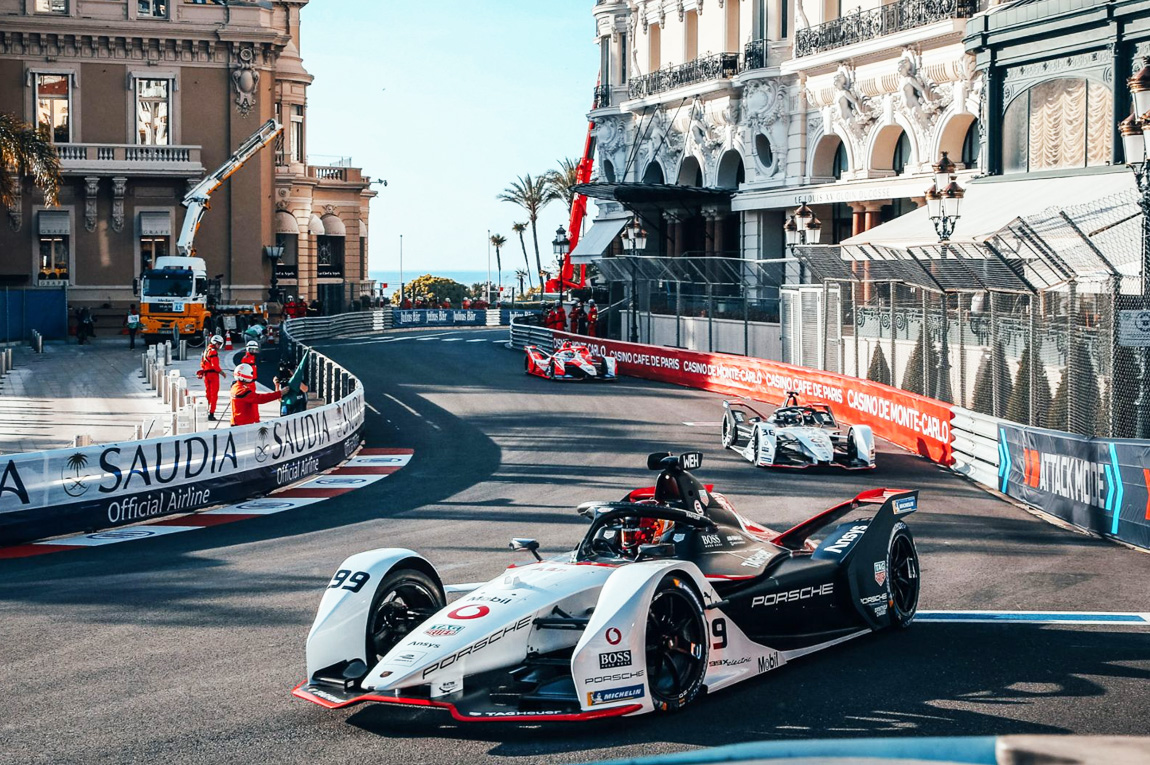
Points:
x=443, y=630
x=880, y=572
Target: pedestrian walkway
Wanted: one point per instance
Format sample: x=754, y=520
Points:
x=95, y=390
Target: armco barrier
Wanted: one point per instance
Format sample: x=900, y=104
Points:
x=102, y=486
x=919, y=424
x=1099, y=485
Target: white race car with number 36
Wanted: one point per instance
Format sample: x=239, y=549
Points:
x=795, y=436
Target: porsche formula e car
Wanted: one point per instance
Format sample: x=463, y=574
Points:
x=671, y=594
x=571, y=362
x=795, y=436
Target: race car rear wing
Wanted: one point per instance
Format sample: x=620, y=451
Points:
x=901, y=502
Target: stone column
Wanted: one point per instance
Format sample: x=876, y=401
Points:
x=710, y=243
x=873, y=213
x=858, y=220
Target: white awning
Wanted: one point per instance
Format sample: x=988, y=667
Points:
x=315, y=225
x=990, y=204
x=599, y=237
x=286, y=223
x=55, y=223
x=155, y=224
x=333, y=226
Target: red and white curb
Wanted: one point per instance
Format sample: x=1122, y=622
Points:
x=364, y=469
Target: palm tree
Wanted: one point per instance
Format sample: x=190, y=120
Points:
x=27, y=150
x=530, y=194
x=561, y=183
x=497, y=241
x=519, y=228
x=520, y=274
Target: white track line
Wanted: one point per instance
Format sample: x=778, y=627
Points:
x=1035, y=617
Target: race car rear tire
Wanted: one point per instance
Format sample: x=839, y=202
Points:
x=676, y=645
x=903, y=576
x=527, y=365
x=403, y=600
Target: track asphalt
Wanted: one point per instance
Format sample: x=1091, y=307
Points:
x=184, y=648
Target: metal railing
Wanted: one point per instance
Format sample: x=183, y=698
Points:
x=714, y=67
x=602, y=97
x=754, y=55
x=867, y=25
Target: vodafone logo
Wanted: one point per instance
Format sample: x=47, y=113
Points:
x=473, y=611
x=614, y=636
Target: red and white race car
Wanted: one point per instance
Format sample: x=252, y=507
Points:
x=571, y=362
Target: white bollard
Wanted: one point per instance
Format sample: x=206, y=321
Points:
x=139, y=434
x=183, y=350
x=200, y=418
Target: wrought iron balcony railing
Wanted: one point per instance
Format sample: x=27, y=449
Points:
x=714, y=67
x=755, y=55
x=602, y=97
x=868, y=25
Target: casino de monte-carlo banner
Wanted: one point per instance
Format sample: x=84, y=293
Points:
x=1101, y=485
x=101, y=486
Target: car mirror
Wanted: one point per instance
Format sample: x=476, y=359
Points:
x=655, y=461
x=520, y=544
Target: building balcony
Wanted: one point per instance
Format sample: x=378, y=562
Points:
x=861, y=25
x=129, y=160
x=338, y=173
x=602, y=97
x=714, y=67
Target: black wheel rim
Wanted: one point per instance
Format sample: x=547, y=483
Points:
x=904, y=575
x=674, y=645
x=726, y=432
x=401, y=608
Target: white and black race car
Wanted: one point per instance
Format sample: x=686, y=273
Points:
x=670, y=595
x=795, y=436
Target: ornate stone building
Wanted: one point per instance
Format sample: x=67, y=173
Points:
x=757, y=105
x=143, y=98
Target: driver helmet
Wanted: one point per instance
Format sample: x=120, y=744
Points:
x=590, y=302
x=646, y=532
x=245, y=373
x=252, y=346
x=217, y=340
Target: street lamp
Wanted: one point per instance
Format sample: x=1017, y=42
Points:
x=561, y=245
x=802, y=228
x=943, y=204
x=944, y=198
x=634, y=240
x=274, y=253
x=1134, y=130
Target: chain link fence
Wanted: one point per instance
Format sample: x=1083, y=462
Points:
x=1021, y=325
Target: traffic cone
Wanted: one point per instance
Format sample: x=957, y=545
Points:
x=227, y=341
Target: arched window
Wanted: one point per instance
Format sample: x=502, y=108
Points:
x=971, y=146
x=1062, y=123
x=839, y=166
x=901, y=154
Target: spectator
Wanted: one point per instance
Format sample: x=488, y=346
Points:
x=582, y=324
x=466, y=303
x=133, y=324
x=85, y=325
x=592, y=318
x=406, y=303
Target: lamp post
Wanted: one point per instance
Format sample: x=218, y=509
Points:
x=1135, y=130
x=560, y=245
x=634, y=240
x=943, y=203
x=274, y=253
x=802, y=228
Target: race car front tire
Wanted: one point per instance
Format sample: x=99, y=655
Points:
x=903, y=576
x=730, y=433
x=676, y=644
x=403, y=599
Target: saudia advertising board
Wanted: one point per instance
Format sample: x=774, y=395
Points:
x=66, y=490
x=1099, y=485
x=914, y=422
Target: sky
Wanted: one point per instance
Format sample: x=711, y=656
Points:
x=449, y=101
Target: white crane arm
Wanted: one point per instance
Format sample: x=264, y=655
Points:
x=197, y=199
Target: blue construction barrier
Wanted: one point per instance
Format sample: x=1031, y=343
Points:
x=23, y=309
x=439, y=317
